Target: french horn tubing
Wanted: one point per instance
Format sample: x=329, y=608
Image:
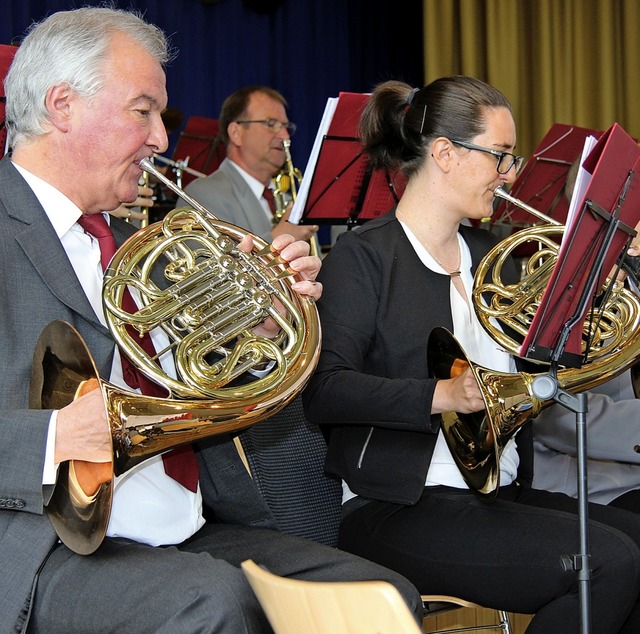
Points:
x=144, y=182
x=477, y=440
x=207, y=296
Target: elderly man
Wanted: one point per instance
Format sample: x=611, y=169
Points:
x=84, y=99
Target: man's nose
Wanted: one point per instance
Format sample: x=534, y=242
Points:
x=158, y=138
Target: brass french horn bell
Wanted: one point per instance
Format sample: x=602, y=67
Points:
x=208, y=297
x=476, y=440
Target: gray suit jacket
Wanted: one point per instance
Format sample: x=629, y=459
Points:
x=228, y=197
x=39, y=286
x=612, y=433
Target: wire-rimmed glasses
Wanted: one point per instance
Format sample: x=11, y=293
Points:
x=274, y=125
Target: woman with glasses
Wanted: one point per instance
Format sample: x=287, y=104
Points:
x=387, y=285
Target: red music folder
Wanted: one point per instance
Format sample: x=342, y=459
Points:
x=338, y=187
x=613, y=191
x=542, y=182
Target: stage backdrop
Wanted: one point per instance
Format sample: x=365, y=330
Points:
x=574, y=62
x=308, y=50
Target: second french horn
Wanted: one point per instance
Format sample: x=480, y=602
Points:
x=477, y=440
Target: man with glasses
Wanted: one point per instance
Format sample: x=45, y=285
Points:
x=253, y=125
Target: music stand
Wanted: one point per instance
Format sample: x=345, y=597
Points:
x=199, y=144
x=593, y=242
x=339, y=188
x=542, y=183
x=580, y=266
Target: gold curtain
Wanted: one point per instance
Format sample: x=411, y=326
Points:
x=558, y=61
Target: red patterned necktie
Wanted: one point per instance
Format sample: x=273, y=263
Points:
x=267, y=194
x=180, y=463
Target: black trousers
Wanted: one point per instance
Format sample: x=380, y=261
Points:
x=629, y=500
x=508, y=554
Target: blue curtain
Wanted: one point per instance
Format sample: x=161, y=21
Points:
x=309, y=50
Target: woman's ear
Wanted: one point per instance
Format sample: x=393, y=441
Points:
x=443, y=153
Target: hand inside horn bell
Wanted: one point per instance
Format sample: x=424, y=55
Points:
x=91, y=462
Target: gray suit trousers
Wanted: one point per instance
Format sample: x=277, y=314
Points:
x=197, y=587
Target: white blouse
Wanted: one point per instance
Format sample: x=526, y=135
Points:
x=479, y=348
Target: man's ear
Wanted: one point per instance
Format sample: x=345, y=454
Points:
x=59, y=103
x=443, y=153
x=234, y=133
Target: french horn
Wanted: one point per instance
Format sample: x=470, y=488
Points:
x=476, y=440
x=286, y=183
x=208, y=296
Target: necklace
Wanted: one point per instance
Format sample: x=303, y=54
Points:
x=456, y=272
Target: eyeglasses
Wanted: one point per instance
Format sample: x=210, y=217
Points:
x=506, y=160
x=274, y=125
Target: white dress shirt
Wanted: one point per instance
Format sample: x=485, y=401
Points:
x=148, y=505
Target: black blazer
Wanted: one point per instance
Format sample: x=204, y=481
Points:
x=371, y=391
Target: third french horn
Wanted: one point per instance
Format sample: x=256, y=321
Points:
x=286, y=183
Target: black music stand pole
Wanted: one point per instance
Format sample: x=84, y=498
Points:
x=546, y=387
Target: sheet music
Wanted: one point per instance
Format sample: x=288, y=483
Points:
x=583, y=179
x=303, y=193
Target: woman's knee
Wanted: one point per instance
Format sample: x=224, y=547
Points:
x=615, y=570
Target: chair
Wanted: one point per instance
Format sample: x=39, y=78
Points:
x=315, y=607
x=436, y=604
x=285, y=457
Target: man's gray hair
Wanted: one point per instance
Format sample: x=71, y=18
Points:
x=69, y=47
